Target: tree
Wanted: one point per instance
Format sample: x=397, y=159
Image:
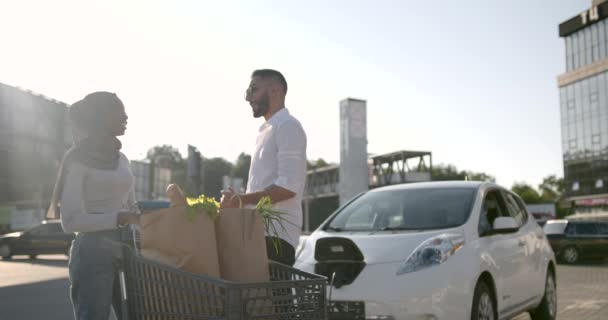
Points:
x=165, y=152
x=449, y=172
x=551, y=189
x=241, y=168
x=314, y=164
x=526, y=192
x=479, y=176
x=169, y=156
x=214, y=170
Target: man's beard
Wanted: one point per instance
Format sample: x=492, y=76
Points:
x=263, y=105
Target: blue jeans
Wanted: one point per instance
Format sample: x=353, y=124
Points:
x=93, y=268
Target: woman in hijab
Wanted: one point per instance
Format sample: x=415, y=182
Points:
x=94, y=191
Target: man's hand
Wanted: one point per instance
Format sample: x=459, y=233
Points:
x=229, y=199
x=125, y=218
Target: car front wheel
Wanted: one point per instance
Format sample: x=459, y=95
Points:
x=483, y=303
x=570, y=255
x=5, y=251
x=547, y=309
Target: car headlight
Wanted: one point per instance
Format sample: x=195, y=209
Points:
x=433, y=251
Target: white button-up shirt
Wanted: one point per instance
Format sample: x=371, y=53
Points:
x=280, y=159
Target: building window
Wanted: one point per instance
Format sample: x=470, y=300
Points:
x=595, y=139
x=571, y=109
x=574, y=50
x=599, y=183
x=581, y=48
x=575, y=186
x=596, y=52
x=588, y=47
x=570, y=104
x=572, y=144
x=594, y=43
x=593, y=96
x=568, y=53
x=602, y=39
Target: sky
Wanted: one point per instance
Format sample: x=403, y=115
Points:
x=474, y=82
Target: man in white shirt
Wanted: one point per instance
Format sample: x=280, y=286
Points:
x=278, y=165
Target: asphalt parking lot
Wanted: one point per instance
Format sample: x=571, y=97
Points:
x=39, y=290
x=582, y=292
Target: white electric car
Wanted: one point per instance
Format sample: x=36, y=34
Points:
x=433, y=250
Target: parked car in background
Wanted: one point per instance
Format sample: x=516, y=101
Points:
x=542, y=218
x=542, y=212
x=573, y=240
x=433, y=250
x=47, y=238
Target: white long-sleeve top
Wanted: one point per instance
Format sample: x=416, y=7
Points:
x=92, y=198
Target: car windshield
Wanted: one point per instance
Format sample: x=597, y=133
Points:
x=554, y=228
x=410, y=209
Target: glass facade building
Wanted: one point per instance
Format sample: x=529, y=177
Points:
x=584, y=124
x=34, y=134
x=583, y=92
x=586, y=46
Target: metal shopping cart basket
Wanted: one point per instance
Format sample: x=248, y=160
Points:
x=154, y=291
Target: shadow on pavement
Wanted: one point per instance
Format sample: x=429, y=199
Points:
x=51, y=261
x=588, y=263
x=47, y=300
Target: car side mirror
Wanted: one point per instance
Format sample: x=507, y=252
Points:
x=505, y=225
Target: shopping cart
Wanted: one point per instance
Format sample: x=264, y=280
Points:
x=155, y=291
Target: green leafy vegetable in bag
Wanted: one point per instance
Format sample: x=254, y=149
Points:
x=208, y=205
x=269, y=216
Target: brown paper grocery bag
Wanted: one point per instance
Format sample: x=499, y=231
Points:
x=241, y=246
x=168, y=235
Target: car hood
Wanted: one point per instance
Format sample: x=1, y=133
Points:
x=11, y=235
x=377, y=247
